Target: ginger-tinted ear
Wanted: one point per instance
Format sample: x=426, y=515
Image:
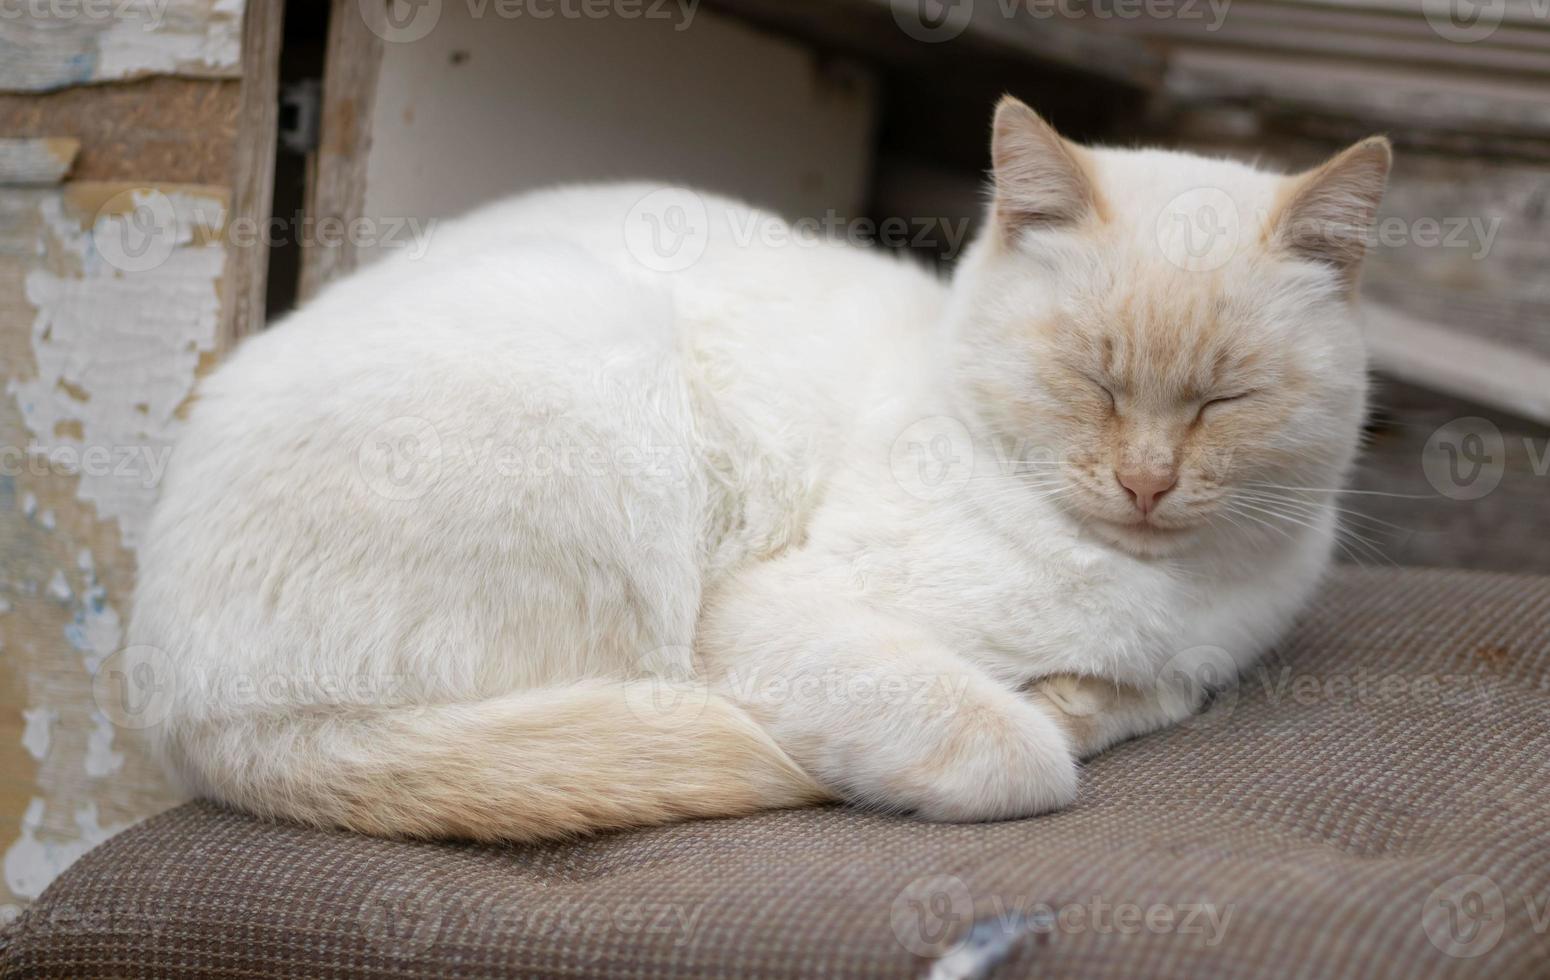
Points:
x=1040, y=182
x=1327, y=214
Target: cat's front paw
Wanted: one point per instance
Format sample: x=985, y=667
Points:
x=997, y=768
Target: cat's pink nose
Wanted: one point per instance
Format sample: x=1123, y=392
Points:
x=1147, y=486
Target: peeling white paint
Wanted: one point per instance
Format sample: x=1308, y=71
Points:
x=70, y=44
x=29, y=505
x=96, y=631
x=59, y=588
x=101, y=760
x=131, y=343
x=38, y=734
x=32, y=863
x=48, y=520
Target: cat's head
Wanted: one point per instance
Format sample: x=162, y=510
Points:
x=1160, y=340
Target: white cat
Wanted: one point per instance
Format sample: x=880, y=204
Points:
x=541, y=535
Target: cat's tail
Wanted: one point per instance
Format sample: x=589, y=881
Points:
x=538, y=764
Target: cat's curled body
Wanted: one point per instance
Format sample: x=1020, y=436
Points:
x=526, y=539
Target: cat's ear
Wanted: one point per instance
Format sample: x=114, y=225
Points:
x=1040, y=180
x=1327, y=214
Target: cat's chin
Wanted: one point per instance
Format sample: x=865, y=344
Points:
x=1146, y=540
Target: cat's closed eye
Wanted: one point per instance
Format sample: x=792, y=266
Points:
x=1222, y=401
x=1107, y=391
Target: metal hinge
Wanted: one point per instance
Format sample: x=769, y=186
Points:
x=301, y=109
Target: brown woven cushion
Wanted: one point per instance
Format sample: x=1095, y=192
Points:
x=1375, y=803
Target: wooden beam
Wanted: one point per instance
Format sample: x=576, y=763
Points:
x=336, y=190
x=903, y=32
x=247, y=258
x=1459, y=364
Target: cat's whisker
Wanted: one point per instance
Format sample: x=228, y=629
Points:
x=1315, y=506
x=1361, y=493
x=1375, y=553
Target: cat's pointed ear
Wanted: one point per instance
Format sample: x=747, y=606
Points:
x=1040, y=180
x=1327, y=214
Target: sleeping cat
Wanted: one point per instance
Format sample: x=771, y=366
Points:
x=532, y=537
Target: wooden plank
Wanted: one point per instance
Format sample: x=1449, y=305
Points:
x=180, y=130
x=247, y=261
x=924, y=33
x=337, y=189
x=36, y=162
x=1459, y=364
x=1464, y=112
x=52, y=46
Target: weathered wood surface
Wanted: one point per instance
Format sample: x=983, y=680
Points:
x=180, y=129
x=114, y=261
x=336, y=189
x=247, y=260
x=51, y=46
x=934, y=33
x=43, y=161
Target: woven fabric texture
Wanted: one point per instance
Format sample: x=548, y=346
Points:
x=1374, y=802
